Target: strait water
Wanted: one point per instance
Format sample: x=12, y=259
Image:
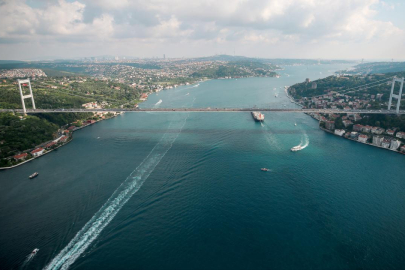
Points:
x=185, y=191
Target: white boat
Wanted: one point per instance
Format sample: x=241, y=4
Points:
x=160, y=101
x=35, y=251
x=187, y=94
x=35, y=174
x=297, y=148
x=295, y=124
x=265, y=169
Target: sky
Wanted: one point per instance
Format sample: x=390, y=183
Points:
x=326, y=29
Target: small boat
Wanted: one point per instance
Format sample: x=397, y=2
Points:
x=297, y=148
x=187, y=94
x=265, y=169
x=35, y=174
x=295, y=124
x=35, y=251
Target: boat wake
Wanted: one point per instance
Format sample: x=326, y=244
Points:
x=303, y=144
x=270, y=137
x=157, y=103
x=27, y=260
x=118, y=199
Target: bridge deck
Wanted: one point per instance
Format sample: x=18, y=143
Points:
x=206, y=110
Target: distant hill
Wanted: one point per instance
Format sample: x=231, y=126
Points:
x=378, y=67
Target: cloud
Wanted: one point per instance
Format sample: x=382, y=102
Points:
x=271, y=22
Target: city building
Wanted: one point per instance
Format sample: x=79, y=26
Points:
x=339, y=132
x=395, y=144
x=20, y=156
x=362, y=138
x=400, y=135
x=357, y=127
x=353, y=135
x=377, y=140
x=37, y=152
x=386, y=143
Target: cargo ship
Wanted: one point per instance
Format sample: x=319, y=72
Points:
x=259, y=117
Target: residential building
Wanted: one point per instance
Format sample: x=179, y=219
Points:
x=357, y=127
x=20, y=156
x=377, y=140
x=353, y=135
x=37, y=152
x=367, y=129
x=386, y=143
x=390, y=132
x=403, y=148
x=400, y=135
x=395, y=144
x=339, y=132
x=347, y=123
x=362, y=138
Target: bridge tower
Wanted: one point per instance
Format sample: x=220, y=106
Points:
x=22, y=82
x=392, y=95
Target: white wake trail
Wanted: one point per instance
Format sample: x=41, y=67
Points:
x=118, y=199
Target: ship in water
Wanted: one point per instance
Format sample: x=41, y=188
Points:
x=35, y=174
x=297, y=148
x=259, y=117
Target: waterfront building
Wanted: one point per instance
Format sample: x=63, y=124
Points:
x=390, y=132
x=362, y=138
x=37, y=152
x=403, y=148
x=395, y=144
x=339, y=132
x=354, y=135
x=20, y=156
x=377, y=140
x=386, y=143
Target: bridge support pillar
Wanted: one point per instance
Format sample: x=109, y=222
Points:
x=398, y=97
x=22, y=82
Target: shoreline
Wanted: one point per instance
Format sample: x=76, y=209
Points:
x=370, y=144
x=71, y=139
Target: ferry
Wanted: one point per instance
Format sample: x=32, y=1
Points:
x=259, y=117
x=265, y=169
x=297, y=148
x=35, y=174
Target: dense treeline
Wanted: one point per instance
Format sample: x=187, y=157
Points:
x=62, y=119
x=385, y=121
x=17, y=135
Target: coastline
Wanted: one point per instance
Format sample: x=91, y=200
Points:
x=370, y=144
x=71, y=138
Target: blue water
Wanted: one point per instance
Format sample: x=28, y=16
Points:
x=185, y=191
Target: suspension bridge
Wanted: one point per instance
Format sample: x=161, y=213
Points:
x=26, y=82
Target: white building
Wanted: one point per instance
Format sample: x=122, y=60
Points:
x=362, y=138
x=37, y=152
x=395, y=144
x=339, y=132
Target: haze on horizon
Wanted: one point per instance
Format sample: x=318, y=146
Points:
x=344, y=29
